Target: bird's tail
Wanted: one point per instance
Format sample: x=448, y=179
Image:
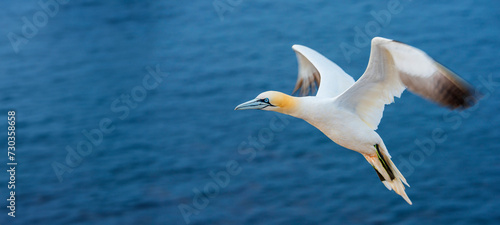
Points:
x=388, y=172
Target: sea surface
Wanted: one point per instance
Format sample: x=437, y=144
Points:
x=124, y=113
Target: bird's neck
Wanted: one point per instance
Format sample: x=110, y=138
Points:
x=284, y=103
x=292, y=106
x=309, y=108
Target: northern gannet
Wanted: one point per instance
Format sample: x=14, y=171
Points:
x=349, y=112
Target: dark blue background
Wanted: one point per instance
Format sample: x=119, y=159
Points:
x=65, y=79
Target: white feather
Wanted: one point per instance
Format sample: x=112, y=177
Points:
x=394, y=66
x=333, y=80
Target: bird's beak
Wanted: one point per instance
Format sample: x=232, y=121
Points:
x=252, y=104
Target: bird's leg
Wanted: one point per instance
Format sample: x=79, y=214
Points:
x=379, y=175
x=384, y=163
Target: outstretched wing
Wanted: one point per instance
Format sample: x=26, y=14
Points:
x=392, y=68
x=315, y=69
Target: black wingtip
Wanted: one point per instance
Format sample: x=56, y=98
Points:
x=471, y=100
x=463, y=96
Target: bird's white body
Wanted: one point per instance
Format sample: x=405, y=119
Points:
x=341, y=126
x=349, y=112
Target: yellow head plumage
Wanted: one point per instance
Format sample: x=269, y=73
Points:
x=278, y=101
x=271, y=101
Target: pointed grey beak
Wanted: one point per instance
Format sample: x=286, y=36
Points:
x=252, y=104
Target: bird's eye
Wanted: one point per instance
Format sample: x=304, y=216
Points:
x=266, y=100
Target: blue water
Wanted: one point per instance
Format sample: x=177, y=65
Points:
x=152, y=166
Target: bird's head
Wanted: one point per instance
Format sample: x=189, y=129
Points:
x=270, y=101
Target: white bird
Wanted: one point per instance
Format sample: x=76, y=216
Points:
x=349, y=112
